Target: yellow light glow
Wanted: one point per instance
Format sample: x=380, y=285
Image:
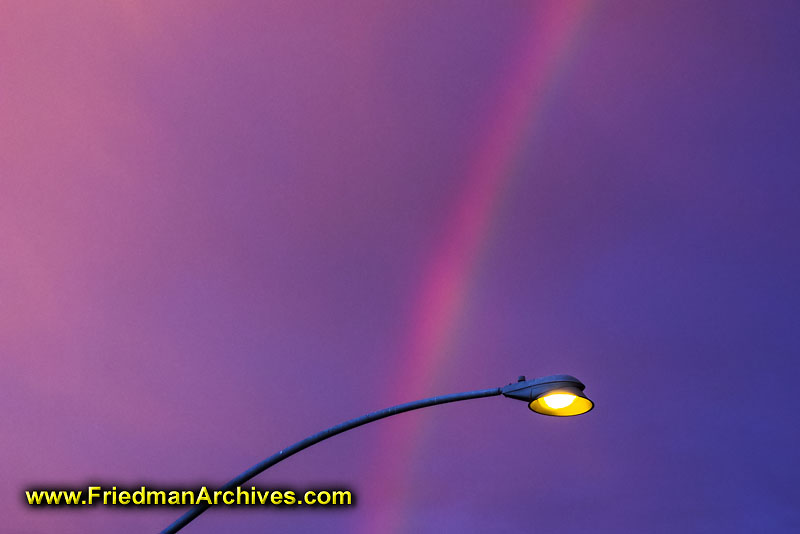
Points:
x=562, y=402
x=559, y=400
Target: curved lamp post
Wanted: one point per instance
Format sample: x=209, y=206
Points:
x=557, y=395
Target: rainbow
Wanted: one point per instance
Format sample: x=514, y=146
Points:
x=541, y=60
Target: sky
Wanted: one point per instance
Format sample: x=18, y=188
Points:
x=225, y=226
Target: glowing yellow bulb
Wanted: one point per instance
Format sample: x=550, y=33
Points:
x=559, y=400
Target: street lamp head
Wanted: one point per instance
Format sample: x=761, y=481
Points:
x=558, y=395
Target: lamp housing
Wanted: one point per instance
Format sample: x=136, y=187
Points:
x=556, y=395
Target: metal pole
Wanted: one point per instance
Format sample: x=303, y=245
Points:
x=196, y=510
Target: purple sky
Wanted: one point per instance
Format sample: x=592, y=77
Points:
x=225, y=226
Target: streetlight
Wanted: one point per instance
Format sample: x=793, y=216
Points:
x=557, y=395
